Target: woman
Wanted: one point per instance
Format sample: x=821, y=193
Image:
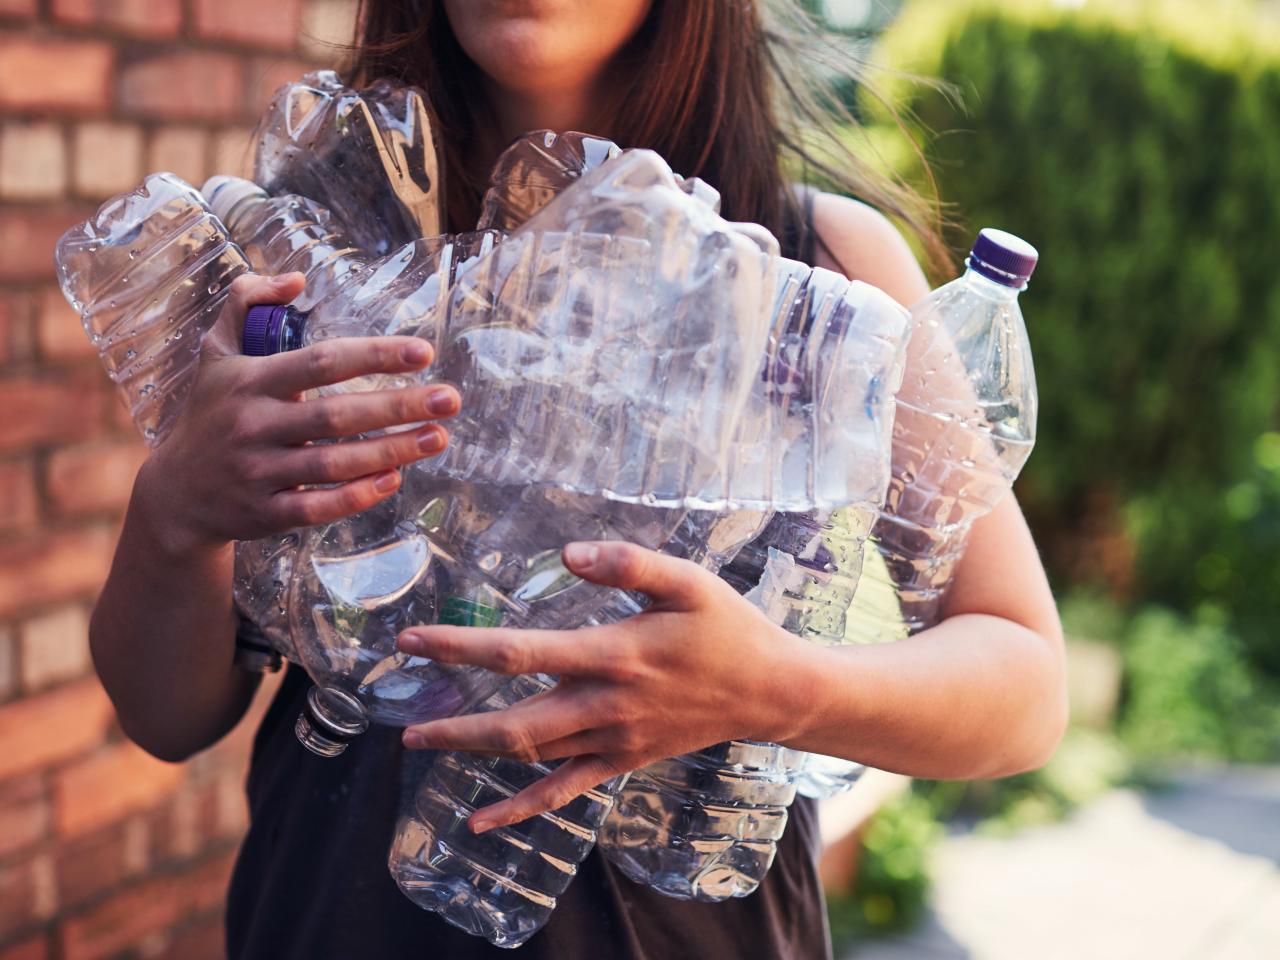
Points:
x=979, y=695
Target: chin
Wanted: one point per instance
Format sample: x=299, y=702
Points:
x=536, y=45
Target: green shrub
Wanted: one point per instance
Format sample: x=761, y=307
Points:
x=1191, y=693
x=1140, y=151
x=893, y=873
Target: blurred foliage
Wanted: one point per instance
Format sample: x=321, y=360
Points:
x=893, y=873
x=1192, y=694
x=1136, y=144
x=1087, y=765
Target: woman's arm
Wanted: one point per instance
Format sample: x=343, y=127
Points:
x=980, y=695
x=163, y=629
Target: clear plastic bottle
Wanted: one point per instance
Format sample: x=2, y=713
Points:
x=705, y=826
x=148, y=275
x=440, y=552
x=367, y=156
x=965, y=425
x=503, y=884
x=534, y=170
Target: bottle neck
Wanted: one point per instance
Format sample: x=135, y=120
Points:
x=986, y=287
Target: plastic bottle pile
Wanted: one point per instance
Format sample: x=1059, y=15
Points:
x=632, y=367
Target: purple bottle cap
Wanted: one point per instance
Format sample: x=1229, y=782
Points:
x=1004, y=258
x=262, y=329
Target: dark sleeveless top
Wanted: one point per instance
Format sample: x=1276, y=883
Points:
x=311, y=881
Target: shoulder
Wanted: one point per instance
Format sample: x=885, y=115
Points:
x=861, y=242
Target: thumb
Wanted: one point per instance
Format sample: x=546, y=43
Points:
x=249, y=290
x=611, y=563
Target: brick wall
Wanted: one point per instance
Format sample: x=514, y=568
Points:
x=104, y=852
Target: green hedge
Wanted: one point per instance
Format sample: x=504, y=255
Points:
x=1141, y=152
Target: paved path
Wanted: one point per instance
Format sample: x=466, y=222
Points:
x=1191, y=873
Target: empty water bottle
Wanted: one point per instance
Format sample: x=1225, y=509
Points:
x=964, y=427
x=705, y=825
x=502, y=884
x=148, y=275
x=534, y=170
x=368, y=157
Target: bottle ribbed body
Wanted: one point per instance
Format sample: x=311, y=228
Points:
x=705, y=826
x=368, y=156
x=502, y=884
x=963, y=428
x=148, y=275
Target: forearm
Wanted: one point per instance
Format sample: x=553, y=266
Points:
x=163, y=633
x=976, y=696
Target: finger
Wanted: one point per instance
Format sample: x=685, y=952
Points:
x=517, y=732
x=340, y=359
x=353, y=459
x=249, y=290
x=306, y=508
x=347, y=415
x=612, y=563
x=559, y=787
x=509, y=651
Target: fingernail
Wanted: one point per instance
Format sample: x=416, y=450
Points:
x=479, y=825
x=431, y=440
x=386, y=482
x=409, y=643
x=441, y=401
x=413, y=741
x=415, y=352
x=582, y=555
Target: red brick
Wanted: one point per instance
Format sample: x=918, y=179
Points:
x=55, y=647
x=268, y=74
x=28, y=236
x=42, y=411
x=18, y=8
x=8, y=663
x=37, y=948
x=52, y=727
x=33, y=161
x=328, y=26
x=188, y=85
x=89, y=866
x=204, y=939
x=59, y=332
x=250, y=22
x=93, y=478
x=144, y=18
x=108, y=159
x=24, y=814
x=233, y=153
x=18, y=509
x=47, y=73
x=58, y=567
x=181, y=150
x=109, y=785
x=28, y=895
x=146, y=909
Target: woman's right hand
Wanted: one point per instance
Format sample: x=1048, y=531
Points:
x=232, y=467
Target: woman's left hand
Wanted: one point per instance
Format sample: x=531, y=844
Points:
x=699, y=666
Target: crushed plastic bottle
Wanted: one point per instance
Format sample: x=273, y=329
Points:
x=964, y=427
x=534, y=170
x=705, y=826
x=502, y=884
x=369, y=157
x=148, y=275
x=439, y=552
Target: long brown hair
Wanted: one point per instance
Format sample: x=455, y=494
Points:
x=706, y=83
